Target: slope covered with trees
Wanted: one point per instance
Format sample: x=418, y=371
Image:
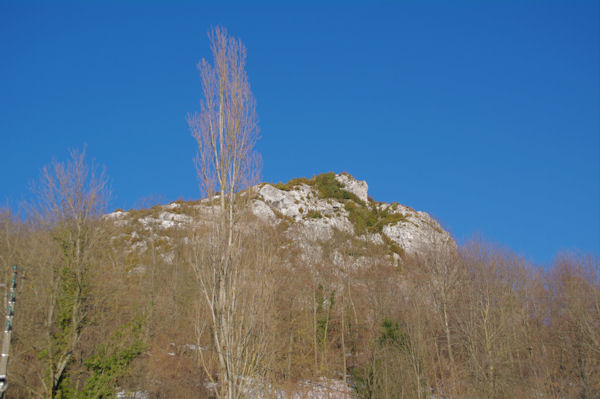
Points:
x=303, y=289
x=473, y=321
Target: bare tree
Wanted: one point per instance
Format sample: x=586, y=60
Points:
x=442, y=273
x=226, y=128
x=226, y=131
x=71, y=197
x=490, y=319
x=574, y=290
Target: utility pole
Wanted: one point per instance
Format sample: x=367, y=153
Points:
x=7, y=333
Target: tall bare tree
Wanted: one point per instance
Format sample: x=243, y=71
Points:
x=226, y=131
x=71, y=197
x=226, y=128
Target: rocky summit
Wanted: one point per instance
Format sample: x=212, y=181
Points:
x=331, y=202
x=310, y=211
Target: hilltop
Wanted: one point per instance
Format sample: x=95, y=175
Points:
x=311, y=210
x=337, y=294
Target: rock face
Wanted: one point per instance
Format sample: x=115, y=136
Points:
x=417, y=233
x=320, y=215
x=312, y=211
x=356, y=187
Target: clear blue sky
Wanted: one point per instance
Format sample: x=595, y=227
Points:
x=484, y=114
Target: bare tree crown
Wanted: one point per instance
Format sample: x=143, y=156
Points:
x=74, y=191
x=226, y=128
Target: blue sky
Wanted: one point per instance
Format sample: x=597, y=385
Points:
x=484, y=114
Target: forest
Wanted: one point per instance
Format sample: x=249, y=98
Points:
x=229, y=305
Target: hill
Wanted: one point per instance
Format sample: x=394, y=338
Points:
x=309, y=209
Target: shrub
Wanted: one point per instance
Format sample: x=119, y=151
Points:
x=361, y=217
x=394, y=248
x=370, y=219
x=326, y=186
x=329, y=187
x=288, y=219
x=293, y=183
x=112, y=360
x=314, y=214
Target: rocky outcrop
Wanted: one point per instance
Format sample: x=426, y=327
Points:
x=319, y=215
x=313, y=210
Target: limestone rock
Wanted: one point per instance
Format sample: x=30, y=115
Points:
x=356, y=187
x=317, y=218
x=310, y=218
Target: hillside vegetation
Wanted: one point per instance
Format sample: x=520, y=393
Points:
x=347, y=297
x=305, y=289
